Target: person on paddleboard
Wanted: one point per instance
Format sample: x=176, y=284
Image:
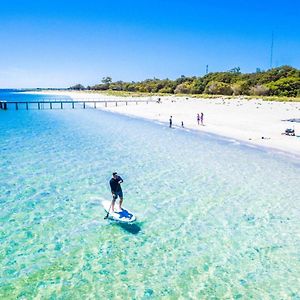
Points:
x=116, y=190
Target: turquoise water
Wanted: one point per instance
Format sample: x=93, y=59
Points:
x=216, y=219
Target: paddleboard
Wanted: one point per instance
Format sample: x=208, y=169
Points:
x=123, y=215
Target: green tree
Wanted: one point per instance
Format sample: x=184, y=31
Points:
x=77, y=87
x=241, y=88
x=289, y=87
x=100, y=87
x=106, y=80
x=117, y=86
x=236, y=70
x=197, y=86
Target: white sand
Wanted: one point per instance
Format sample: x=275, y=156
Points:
x=239, y=119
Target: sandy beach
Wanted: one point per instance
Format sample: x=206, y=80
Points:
x=255, y=122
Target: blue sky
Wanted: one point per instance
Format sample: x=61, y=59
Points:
x=61, y=43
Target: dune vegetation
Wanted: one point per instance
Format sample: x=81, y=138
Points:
x=277, y=84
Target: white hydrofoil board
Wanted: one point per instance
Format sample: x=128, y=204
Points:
x=123, y=215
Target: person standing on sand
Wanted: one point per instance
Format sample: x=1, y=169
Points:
x=198, y=119
x=201, y=119
x=170, y=121
x=116, y=190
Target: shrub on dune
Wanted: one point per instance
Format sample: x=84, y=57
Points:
x=218, y=88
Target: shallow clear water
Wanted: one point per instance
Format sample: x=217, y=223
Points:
x=215, y=219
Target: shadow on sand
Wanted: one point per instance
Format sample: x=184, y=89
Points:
x=131, y=228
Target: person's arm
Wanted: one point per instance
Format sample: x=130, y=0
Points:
x=112, y=188
x=120, y=180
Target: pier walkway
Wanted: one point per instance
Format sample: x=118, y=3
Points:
x=65, y=104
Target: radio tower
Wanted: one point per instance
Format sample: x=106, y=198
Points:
x=272, y=49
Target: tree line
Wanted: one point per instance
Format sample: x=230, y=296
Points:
x=281, y=81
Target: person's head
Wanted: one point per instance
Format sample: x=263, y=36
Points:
x=114, y=174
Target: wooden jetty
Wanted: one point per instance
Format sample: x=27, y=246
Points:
x=63, y=104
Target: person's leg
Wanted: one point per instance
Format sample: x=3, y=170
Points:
x=121, y=199
x=113, y=204
x=120, y=203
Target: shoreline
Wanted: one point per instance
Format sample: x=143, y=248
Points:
x=229, y=140
x=253, y=122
